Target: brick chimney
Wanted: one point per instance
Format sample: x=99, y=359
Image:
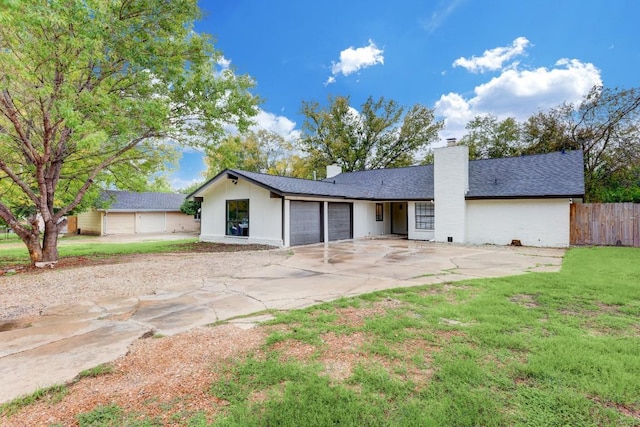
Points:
x=451, y=182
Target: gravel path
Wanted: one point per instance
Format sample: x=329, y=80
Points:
x=26, y=294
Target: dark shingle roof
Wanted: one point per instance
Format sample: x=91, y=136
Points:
x=410, y=183
x=133, y=201
x=286, y=185
x=543, y=175
x=558, y=174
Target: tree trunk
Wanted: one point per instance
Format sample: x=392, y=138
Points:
x=50, y=243
x=43, y=254
x=33, y=245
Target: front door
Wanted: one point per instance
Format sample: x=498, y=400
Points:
x=399, y=218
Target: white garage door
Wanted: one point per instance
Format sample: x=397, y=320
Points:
x=305, y=223
x=340, y=221
x=120, y=223
x=152, y=222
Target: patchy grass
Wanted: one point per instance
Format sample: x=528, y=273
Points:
x=96, y=371
x=538, y=349
x=53, y=394
x=113, y=416
x=542, y=349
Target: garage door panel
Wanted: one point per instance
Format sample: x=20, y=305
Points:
x=340, y=221
x=120, y=223
x=305, y=223
x=151, y=222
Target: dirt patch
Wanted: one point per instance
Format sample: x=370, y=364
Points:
x=626, y=410
x=157, y=378
x=525, y=300
x=168, y=379
x=356, y=317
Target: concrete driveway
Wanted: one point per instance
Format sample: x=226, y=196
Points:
x=58, y=346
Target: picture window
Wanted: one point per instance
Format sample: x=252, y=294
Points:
x=237, y=221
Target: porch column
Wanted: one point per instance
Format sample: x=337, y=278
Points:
x=325, y=221
x=287, y=223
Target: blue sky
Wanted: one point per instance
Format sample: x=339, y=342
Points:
x=461, y=57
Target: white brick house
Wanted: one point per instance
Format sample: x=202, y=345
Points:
x=454, y=200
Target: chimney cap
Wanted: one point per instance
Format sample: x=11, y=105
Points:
x=451, y=142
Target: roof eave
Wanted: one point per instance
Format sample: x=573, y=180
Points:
x=139, y=210
x=205, y=185
x=527, y=196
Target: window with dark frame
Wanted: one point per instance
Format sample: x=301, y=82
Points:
x=237, y=221
x=425, y=216
x=379, y=212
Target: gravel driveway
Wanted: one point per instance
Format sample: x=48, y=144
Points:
x=61, y=321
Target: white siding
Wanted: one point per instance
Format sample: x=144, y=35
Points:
x=179, y=222
x=90, y=222
x=265, y=213
x=539, y=222
x=364, y=220
x=451, y=181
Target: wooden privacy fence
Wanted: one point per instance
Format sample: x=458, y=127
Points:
x=605, y=224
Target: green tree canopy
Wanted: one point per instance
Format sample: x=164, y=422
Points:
x=256, y=151
x=380, y=135
x=605, y=126
x=250, y=151
x=96, y=91
x=489, y=137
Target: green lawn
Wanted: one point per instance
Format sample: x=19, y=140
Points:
x=541, y=349
x=76, y=246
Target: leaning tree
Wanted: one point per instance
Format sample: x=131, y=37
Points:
x=94, y=91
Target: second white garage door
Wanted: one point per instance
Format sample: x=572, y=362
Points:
x=152, y=222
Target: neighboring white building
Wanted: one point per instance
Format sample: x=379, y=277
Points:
x=454, y=200
x=130, y=212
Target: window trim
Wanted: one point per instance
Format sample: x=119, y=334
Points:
x=425, y=216
x=379, y=211
x=227, y=228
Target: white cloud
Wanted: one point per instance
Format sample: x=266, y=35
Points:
x=281, y=125
x=330, y=80
x=518, y=93
x=224, y=63
x=265, y=120
x=178, y=183
x=493, y=59
x=443, y=10
x=354, y=59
